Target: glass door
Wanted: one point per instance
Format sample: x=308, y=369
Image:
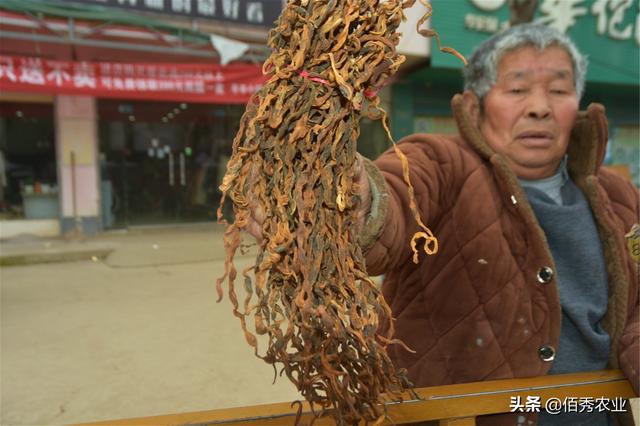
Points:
x=28, y=174
x=163, y=162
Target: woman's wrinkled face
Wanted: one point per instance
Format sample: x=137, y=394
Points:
x=527, y=116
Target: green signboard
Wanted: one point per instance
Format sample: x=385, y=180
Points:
x=607, y=31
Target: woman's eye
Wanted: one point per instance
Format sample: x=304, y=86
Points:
x=559, y=91
x=516, y=90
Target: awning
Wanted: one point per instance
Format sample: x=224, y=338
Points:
x=230, y=84
x=84, y=40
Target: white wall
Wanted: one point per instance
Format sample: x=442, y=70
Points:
x=40, y=227
x=413, y=44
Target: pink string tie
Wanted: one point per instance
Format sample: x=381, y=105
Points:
x=305, y=74
x=369, y=93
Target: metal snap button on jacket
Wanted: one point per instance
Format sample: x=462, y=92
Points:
x=546, y=353
x=545, y=274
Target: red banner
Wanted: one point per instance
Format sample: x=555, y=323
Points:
x=230, y=84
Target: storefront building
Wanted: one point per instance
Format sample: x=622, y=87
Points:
x=116, y=114
x=122, y=113
x=607, y=31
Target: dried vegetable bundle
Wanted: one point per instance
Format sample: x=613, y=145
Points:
x=294, y=158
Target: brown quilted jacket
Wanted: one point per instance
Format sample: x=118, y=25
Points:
x=476, y=310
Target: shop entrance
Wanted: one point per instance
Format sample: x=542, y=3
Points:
x=162, y=162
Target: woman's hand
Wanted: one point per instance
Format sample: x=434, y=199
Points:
x=362, y=188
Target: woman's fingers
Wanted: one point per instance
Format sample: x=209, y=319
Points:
x=364, y=191
x=254, y=229
x=256, y=213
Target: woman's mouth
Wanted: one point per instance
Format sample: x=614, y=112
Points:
x=536, y=139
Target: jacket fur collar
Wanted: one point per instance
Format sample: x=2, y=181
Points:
x=586, y=149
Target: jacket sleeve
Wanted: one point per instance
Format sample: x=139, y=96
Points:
x=629, y=352
x=391, y=224
x=629, y=356
x=626, y=201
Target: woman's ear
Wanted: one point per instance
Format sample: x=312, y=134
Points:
x=471, y=106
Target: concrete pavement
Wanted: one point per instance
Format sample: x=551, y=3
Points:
x=123, y=325
x=136, y=332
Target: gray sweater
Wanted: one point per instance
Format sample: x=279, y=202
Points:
x=582, y=282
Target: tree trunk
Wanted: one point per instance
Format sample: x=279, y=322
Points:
x=521, y=11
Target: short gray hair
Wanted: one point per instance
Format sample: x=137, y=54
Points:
x=482, y=71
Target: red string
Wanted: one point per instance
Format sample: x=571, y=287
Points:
x=305, y=74
x=369, y=93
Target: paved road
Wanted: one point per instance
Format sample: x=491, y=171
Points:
x=137, y=334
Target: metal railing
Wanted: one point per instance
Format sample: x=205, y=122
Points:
x=450, y=405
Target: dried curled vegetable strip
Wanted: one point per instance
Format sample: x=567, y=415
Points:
x=294, y=158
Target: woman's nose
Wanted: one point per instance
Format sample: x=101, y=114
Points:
x=538, y=105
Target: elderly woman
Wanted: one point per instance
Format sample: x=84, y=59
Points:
x=533, y=275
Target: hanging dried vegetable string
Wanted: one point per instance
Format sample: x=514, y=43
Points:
x=294, y=158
